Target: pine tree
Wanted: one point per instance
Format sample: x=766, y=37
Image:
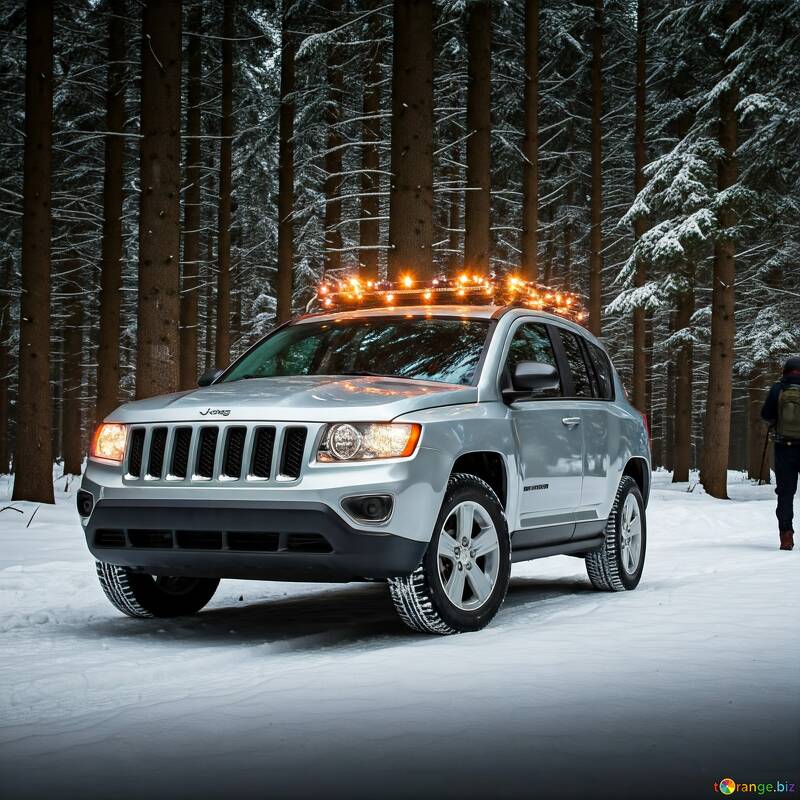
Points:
x=411, y=206
x=529, y=246
x=34, y=462
x=157, y=357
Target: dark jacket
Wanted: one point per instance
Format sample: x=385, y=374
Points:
x=769, y=413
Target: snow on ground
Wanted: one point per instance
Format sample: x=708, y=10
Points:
x=278, y=688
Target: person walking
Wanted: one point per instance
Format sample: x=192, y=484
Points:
x=781, y=412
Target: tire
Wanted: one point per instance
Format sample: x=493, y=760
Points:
x=425, y=598
x=139, y=595
x=617, y=565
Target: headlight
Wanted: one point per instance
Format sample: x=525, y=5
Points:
x=363, y=441
x=109, y=441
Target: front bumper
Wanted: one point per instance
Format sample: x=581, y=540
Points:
x=236, y=539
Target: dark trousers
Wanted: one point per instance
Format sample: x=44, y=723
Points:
x=787, y=468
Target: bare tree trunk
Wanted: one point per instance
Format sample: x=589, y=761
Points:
x=455, y=255
x=192, y=204
x=477, y=215
x=333, y=156
x=209, y=347
x=596, y=234
x=34, y=461
x=223, y=342
x=640, y=360
x=720, y=368
x=5, y=368
x=550, y=249
x=157, y=356
x=72, y=387
x=369, y=226
x=286, y=175
x=757, y=465
x=411, y=203
x=682, y=449
x=108, y=376
x=530, y=147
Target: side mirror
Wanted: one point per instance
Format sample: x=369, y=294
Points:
x=533, y=376
x=209, y=376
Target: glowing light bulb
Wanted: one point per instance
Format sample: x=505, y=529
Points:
x=427, y=295
x=390, y=298
x=408, y=281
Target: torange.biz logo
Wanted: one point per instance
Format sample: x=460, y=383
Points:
x=728, y=786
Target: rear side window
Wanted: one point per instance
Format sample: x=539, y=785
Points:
x=602, y=368
x=582, y=385
x=531, y=343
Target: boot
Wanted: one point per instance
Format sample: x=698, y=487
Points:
x=787, y=540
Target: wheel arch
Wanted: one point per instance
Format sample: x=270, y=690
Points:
x=638, y=469
x=489, y=466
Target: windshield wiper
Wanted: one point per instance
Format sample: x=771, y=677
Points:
x=364, y=374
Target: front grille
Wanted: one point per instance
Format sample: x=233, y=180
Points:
x=109, y=538
x=158, y=444
x=234, y=452
x=253, y=541
x=262, y=453
x=198, y=452
x=180, y=452
x=239, y=541
x=294, y=444
x=206, y=452
x=136, y=451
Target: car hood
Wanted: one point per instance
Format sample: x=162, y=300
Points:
x=306, y=398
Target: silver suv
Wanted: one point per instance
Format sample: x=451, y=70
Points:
x=429, y=447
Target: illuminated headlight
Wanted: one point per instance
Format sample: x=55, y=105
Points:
x=364, y=441
x=109, y=441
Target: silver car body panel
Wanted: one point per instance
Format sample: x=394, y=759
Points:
x=555, y=474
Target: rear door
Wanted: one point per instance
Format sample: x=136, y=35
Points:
x=593, y=390
x=549, y=443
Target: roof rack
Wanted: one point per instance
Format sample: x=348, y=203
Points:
x=349, y=292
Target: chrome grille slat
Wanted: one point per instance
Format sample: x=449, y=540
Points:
x=230, y=453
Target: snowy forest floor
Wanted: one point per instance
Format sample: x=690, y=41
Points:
x=277, y=688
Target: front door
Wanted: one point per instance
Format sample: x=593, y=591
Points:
x=550, y=447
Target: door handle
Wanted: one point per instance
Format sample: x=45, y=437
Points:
x=571, y=422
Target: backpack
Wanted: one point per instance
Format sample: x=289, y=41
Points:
x=789, y=413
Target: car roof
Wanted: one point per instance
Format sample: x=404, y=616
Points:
x=485, y=312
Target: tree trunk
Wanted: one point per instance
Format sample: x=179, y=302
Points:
x=682, y=448
x=223, y=342
x=108, y=375
x=477, y=216
x=369, y=225
x=34, y=461
x=640, y=360
x=157, y=356
x=72, y=388
x=5, y=367
x=286, y=176
x=530, y=147
x=411, y=203
x=333, y=156
x=192, y=204
x=720, y=368
x=596, y=234
x=209, y=346
x=550, y=249
x=757, y=465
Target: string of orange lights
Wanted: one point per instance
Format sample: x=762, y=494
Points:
x=351, y=292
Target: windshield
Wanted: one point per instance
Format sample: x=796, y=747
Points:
x=423, y=348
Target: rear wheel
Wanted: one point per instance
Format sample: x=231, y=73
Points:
x=617, y=565
x=140, y=595
x=463, y=578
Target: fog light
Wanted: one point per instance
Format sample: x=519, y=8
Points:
x=369, y=508
x=85, y=503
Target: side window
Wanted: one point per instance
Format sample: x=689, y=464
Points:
x=602, y=368
x=577, y=364
x=531, y=343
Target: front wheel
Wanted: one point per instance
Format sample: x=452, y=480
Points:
x=617, y=565
x=463, y=578
x=139, y=595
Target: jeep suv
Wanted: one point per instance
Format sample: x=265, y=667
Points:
x=428, y=447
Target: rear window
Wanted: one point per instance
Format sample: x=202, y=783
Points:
x=581, y=376
x=603, y=371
